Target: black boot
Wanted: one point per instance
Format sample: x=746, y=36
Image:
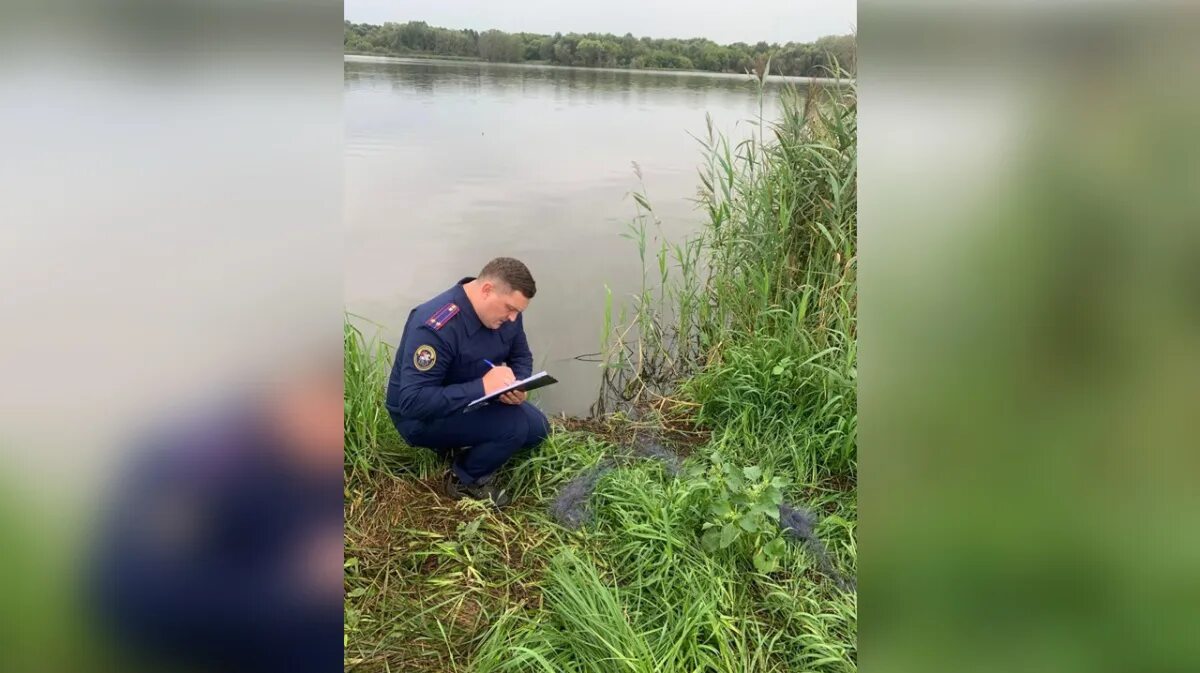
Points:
x=483, y=489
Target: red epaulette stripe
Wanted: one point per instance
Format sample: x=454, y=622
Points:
x=442, y=316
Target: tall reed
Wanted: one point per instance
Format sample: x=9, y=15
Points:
x=752, y=324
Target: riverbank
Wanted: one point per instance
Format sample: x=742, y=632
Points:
x=708, y=520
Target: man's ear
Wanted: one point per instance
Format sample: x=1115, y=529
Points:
x=486, y=287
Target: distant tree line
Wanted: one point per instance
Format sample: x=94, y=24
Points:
x=812, y=59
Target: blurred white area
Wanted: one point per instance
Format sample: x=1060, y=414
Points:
x=170, y=240
x=171, y=216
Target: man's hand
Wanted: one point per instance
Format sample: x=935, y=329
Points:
x=513, y=397
x=497, y=378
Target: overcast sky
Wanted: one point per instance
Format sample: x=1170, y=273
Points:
x=723, y=21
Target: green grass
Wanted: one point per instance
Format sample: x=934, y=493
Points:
x=371, y=442
x=743, y=340
x=443, y=586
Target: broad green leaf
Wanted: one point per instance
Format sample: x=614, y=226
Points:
x=764, y=563
x=749, y=523
x=721, y=509
x=768, y=508
x=775, y=495
x=728, y=534
x=711, y=540
x=777, y=370
x=734, y=482
x=752, y=472
x=775, y=547
x=357, y=592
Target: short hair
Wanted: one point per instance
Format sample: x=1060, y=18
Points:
x=512, y=273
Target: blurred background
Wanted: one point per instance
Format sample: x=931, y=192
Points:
x=170, y=284
x=1030, y=326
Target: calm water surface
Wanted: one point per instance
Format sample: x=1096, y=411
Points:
x=450, y=164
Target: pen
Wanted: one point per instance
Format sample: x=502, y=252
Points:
x=489, y=363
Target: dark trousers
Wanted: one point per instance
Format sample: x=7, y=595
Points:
x=491, y=435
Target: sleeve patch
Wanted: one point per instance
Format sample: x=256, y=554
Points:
x=424, y=358
x=443, y=315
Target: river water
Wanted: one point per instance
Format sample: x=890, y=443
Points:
x=449, y=164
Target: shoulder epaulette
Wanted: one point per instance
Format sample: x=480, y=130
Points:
x=442, y=316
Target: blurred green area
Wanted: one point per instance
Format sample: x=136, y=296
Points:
x=1031, y=340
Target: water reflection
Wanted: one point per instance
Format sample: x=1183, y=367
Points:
x=422, y=76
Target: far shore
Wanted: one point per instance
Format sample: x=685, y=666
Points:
x=690, y=73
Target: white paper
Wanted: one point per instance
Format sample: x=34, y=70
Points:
x=512, y=386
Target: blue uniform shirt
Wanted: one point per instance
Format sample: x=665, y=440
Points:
x=440, y=362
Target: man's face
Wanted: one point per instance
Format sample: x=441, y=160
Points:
x=500, y=304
